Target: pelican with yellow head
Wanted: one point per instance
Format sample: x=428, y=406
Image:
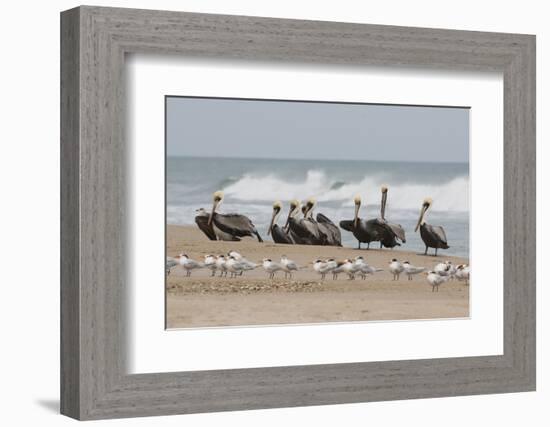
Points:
x=231, y=226
x=433, y=236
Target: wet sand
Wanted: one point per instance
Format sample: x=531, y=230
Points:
x=254, y=299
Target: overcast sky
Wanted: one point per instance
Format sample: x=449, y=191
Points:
x=297, y=130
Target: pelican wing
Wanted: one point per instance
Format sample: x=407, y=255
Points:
x=279, y=235
x=323, y=219
x=202, y=222
x=438, y=232
x=334, y=237
x=331, y=232
x=236, y=225
x=302, y=231
x=312, y=229
x=347, y=224
x=375, y=227
x=398, y=231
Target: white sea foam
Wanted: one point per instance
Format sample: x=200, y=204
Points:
x=452, y=195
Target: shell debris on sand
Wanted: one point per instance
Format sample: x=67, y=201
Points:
x=243, y=287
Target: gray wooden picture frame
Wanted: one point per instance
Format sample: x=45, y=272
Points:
x=94, y=381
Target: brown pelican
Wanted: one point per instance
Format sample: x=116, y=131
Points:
x=358, y=226
x=329, y=234
x=387, y=233
x=433, y=236
x=235, y=225
x=278, y=234
x=302, y=231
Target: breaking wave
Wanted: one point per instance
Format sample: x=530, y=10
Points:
x=452, y=195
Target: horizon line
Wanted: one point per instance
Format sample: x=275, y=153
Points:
x=311, y=159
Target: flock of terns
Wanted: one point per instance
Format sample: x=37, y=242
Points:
x=235, y=265
x=302, y=228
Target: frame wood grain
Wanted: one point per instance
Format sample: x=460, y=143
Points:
x=94, y=41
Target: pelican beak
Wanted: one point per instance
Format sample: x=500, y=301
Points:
x=383, y=205
x=309, y=207
x=273, y=216
x=422, y=212
x=288, y=217
x=356, y=216
x=214, y=206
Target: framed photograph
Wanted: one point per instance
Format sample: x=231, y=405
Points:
x=214, y=153
x=262, y=213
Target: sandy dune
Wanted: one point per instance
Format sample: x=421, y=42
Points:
x=253, y=299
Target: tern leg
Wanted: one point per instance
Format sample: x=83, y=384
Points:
x=426, y=251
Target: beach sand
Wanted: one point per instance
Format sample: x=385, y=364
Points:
x=254, y=299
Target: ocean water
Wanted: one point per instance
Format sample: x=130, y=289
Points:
x=252, y=185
